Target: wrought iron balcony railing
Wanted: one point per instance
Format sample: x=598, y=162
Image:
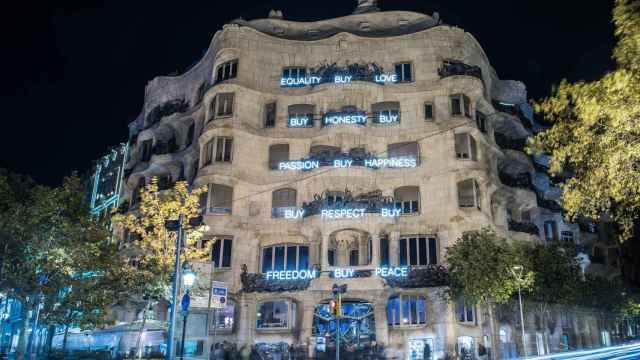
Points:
x=454, y=67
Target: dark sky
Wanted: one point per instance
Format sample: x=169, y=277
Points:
x=74, y=71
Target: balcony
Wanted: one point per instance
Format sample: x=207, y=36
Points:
x=257, y=282
x=523, y=227
x=521, y=180
x=506, y=143
x=421, y=277
x=454, y=67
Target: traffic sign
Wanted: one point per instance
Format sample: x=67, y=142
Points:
x=219, y=294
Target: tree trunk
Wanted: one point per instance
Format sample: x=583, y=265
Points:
x=64, y=341
x=21, y=349
x=495, y=337
x=144, y=322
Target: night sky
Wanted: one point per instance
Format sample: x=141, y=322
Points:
x=74, y=71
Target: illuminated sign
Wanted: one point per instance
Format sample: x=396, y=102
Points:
x=346, y=118
x=388, y=119
x=374, y=163
x=386, y=78
x=336, y=74
x=346, y=213
x=302, y=121
x=291, y=275
x=301, y=81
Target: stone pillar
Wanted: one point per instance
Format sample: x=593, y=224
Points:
x=375, y=252
x=394, y=246
x=324, y=247
x=380, y=315
x=307, y=324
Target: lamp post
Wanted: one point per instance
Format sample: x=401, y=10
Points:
x=516, y=271
x=188, y=279
x=174, y=225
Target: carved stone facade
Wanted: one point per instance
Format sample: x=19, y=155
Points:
x=223, y=119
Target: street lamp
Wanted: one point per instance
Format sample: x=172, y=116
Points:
x=188, y=279
x=516, y=271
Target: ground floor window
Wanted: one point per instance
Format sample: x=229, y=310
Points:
x=466, y=347
x=357, y=326
x=276, y=314
x=420, y=349
x=223, y=319
x=406, y=310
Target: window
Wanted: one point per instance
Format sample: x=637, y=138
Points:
x=460, y=103
x=386, y=112
x=277, y=154
x=223, y=319
x=418, y=250
x=566, y=236
x=270, y=115
x=403, y=150
x=227, y=70
x=429, y=113
x=481, y=121
x=221, y=252
x=468, y=194
x=324, y=152
x=145, y=150
x=403, y=72
x=384, y=250
x=407, y=199
x=276, y=314
x=550, y=230
x=331, y=255
x=354, y=257
x=285, y=257
x=300, y=115
x=465, y=312
x=222, y=106
x=282, y=200
x=294, y=73
x=406, y=310
x=465, y=147
x=220, y=199
x=218, y=149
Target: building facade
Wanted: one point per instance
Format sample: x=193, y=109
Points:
x=347, y=151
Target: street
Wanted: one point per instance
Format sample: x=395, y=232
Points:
x=620, y=352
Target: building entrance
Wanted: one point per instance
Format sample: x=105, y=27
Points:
x=357, y=330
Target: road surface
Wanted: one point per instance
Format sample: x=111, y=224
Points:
x=620, y=352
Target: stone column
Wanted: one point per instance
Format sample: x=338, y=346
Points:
x=324, y=247
x=394, y=246
x=307, y=324
x=380, y=315
x=375, y=252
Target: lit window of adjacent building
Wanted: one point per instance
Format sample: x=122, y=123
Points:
x=460, y=105
x=404, y=72
x=567, y=236
x=481, y=121
x=270, y=115
x=227, y=70
x=550, y=230
x=276, y=314
x=429, y=111
x=465, y=312
x=404, y=150
x=300, y=115
x=277, y=154
x=407, y=199
x=294, y=72
x=223, y=319
x=418, y=250
x=285, y=257
x=221, y=251
x=218, y=149
x=220, y=199
x=283, y=200
x=406, y=310
x=221, y=106
x=466, y=148
x=387, y=112
x=469, y=194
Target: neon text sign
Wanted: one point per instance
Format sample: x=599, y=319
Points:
x=292, y=275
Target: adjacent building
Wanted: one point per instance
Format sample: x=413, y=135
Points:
x=347, y=151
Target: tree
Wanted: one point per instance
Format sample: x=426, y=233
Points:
x=154, y=248
x=596, y=132
x=48, y=238
x=480, y=265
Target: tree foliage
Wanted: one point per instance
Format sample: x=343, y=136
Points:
x=596, y=132
x=154, y=247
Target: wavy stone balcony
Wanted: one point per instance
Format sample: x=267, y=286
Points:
x=523, y=227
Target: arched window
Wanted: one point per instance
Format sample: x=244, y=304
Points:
x=300, y=115
x=468, y=194
x=285, y=257
x=466, y=148
x=277, y=154
x=407, y=199
x=224, y=319
x=406, y=310
x=282, y=200
x=276, y=314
